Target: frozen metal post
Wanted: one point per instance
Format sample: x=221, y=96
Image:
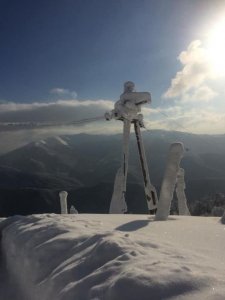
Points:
x=181, y=197
x=127, y=109
x=63, y=202
x=169, y=181
x=223, y=218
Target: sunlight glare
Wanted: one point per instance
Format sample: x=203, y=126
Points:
x=216, y=48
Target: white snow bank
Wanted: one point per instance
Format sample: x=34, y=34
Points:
x=115, y=257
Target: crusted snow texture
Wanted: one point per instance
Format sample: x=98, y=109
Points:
x=111, y=257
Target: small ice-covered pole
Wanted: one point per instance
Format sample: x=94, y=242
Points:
x=223, y=218
x=181, y=197
x=169, y=181
x=73, y=210
x=63, y=202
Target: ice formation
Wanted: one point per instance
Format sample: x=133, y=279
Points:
x=180, y=191
x=223, y=218
x=63, y=202
x=128, y=109
x=118, y=204
x=169, y=181
x=217, y=211
x=73, y=210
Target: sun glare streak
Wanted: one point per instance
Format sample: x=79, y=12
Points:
x=216, y=48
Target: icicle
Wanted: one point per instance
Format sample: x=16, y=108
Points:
x=63, y=202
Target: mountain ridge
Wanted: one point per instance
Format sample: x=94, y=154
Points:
x=83, y=162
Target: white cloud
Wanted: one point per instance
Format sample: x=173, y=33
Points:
x=59, y=111
x=176, y=117
x=194, y=120
x=202, y=94
x=63, y=93
x=191, y=83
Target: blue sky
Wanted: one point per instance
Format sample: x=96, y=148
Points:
x=85, y=49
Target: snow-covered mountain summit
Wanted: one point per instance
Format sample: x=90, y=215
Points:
x=111, y=257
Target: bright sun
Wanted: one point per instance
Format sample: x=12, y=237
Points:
x=216, y=48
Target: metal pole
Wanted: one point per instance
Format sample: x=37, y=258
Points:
x=150, y=191
x=126, y=138
x=118, y=204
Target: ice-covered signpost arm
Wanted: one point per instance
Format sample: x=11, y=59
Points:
x=128, y=107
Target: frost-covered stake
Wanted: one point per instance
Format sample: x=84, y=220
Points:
x=218, y=211
x=169, y=180
x=127, y=110
x=180, y=191
x=223, y=218
x=73, y=210
x=63, y=202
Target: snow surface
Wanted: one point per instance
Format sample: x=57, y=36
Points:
x=61, y=141
x=112, y=257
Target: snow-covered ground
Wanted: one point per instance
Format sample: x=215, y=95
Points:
x=112, y=257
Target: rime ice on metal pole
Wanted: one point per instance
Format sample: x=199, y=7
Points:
x=223, y=218
x=73, y=210
x=63, y=202
x=180, y=191
x=127, y=109
x=118, y=204
x=150, y=192
x=169, y=181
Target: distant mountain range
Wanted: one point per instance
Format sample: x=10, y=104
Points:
x=85, y=165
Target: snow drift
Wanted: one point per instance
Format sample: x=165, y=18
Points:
x=114, y=257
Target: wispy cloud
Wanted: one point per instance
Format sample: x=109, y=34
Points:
x=61, y=110
x=179, y=118
x=175, y=117
x=65, y=93
x=201, y=94
x=58, y=111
